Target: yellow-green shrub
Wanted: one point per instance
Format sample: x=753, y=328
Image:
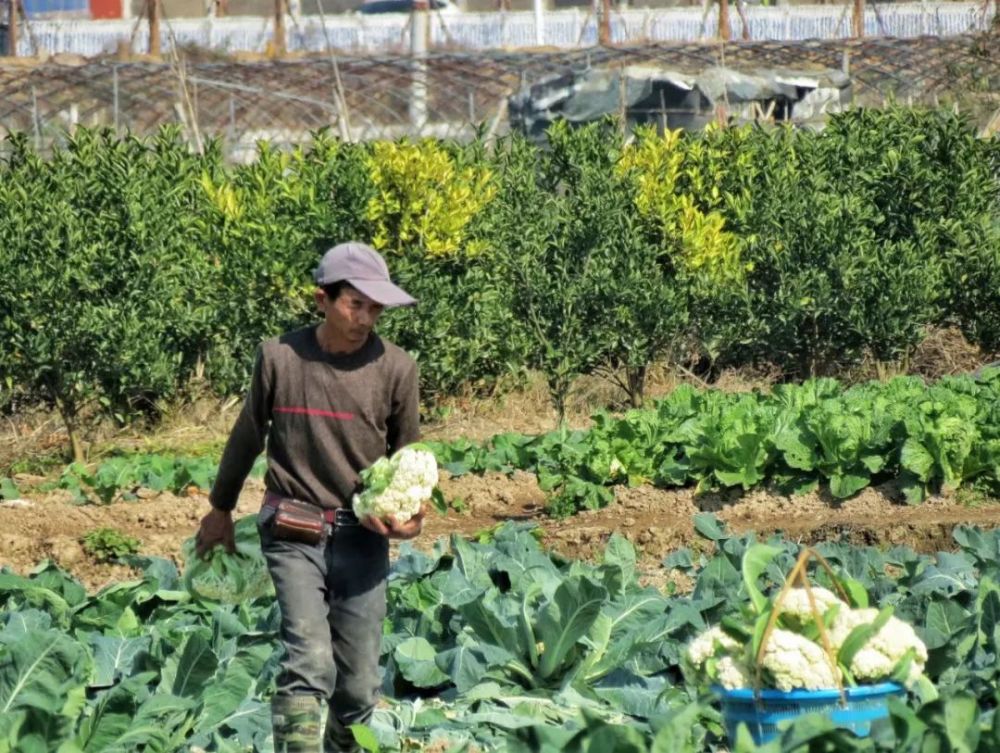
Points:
x=424, y=198
x=698, y=239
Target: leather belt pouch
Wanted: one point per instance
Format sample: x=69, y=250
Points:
x=298, y=521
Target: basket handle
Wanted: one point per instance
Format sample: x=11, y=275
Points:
x=798, y=575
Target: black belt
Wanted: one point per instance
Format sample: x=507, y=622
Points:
x=338, y=517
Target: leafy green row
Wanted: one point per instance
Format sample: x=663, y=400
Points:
x=491, y=645
x=121, y=477
x=933, y=438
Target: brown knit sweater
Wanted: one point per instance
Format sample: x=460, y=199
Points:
x=325, y=418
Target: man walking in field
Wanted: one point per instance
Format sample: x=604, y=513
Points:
x=329, y=400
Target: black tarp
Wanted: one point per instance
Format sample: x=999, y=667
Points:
x=675, y=99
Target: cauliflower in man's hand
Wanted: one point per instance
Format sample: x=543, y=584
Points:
x=397, y=486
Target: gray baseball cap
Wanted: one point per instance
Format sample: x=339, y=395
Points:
x=364, y=268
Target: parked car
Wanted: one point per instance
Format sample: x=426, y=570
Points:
x=403, y=6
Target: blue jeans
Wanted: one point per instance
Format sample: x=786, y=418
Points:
x=332, y=600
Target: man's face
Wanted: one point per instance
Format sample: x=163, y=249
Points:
x=351, y=317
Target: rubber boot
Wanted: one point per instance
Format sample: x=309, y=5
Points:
x=297, y=721
x=338, y=738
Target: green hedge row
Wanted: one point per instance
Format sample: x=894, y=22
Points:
x=131, y=266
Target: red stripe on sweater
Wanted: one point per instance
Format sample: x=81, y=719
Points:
x=317, y=412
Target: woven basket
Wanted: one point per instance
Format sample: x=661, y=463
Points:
x=763, y=710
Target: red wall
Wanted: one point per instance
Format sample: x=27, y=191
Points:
x=105, y=8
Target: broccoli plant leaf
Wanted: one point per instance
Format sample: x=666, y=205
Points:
x=114, y=657
x=416, y=659
x=43, y=671
x=707, y=525
x=620, y=552
x=565, y=620
x=193, y=668
x=755, y=561
x=8, y=489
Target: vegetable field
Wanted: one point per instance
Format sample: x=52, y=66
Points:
x=510, y=629
x=489, y=644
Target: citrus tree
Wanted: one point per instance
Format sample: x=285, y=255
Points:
x=103, y=300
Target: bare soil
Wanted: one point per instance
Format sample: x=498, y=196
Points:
x=657, y=521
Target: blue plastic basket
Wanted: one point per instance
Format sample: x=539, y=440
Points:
x=763, y=711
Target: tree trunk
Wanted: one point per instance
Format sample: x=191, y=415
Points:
x=558, y=391
x=14, y=18
x=604, y=27
x=636, y=378
x=279, y=44
x=68, y=413
x=76, y=446
x=858, y=19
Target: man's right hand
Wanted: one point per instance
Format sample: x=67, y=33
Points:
x=216, y=528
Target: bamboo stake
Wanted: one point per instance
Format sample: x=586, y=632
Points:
x=418, y=54
x=725, y=32
x=604, y=29
x=153, y=16
x=12, y=22
x=279, y=44
x=339, y=98
x=858, y=19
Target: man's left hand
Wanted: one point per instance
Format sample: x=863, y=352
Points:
x=389, y=528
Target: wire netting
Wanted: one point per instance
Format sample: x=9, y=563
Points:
x=374, y=96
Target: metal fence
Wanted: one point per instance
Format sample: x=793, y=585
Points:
x=364, y=97
x=572, y=28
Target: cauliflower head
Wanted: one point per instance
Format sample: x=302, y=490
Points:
x=795, y=662
x=733, y=673
x=397, y=486
x=795, y=605
x=719, y=656
x=711, y=643
x=878, y=658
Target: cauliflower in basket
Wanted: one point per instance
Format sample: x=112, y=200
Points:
x=713, y=642
x=795, y=662
x=878, y=658
x=397, y=486
x=719, y=655
x=733, y=673
x=796, y=606
x=728, y=668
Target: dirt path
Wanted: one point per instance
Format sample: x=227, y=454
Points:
x=657, y=521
